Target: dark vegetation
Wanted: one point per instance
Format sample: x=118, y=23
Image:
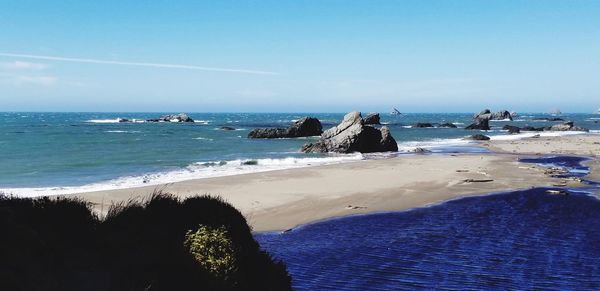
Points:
x=200, y=243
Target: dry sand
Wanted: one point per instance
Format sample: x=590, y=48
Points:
x=283, y=199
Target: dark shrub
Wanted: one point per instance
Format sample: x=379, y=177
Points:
x=59, y=244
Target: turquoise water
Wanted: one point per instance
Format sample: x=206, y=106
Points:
x=71, y=152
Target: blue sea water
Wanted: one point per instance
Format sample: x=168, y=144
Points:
x=523, y=240
x=52, y=153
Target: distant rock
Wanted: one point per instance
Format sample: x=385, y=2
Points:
x=478, y=137
x=420, y=151
x=124, y=120
x=447, y=125
x=512, y=129
x=531, y=128
x=181, y=117
x=352, y=135
x=372, y=118
x=227, y=128
x=501, y=115
x=422, y=125
x=567, y=126
x=307, y=126
x=481, y=120
x=548, y=119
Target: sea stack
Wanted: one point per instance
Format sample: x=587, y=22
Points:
x=352, y=135
x=481, y=120
x=307, y=126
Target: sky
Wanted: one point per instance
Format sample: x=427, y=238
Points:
x=299, y=56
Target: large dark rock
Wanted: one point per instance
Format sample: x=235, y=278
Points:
x=481, y=120
x=478, y=137
x=181, y=117
x=512, y=129
x=422, y=125
x=502, y=115
x=268, y=133
x=352, y=135
x=307, y=126
x=447, y=125
x=372, y=118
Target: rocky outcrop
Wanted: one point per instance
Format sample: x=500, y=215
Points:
x=307, y=126
x=531, y=128
x=181, y=117
x=420, y=150
x=512, y=129
x=501, y=115
x=548, y=119
x=422, y=125
x=372, y=118
x=352, y=135
x=227, y=128
x=478, y=137
x=481, y=120
x=567, y=126
x=447, y=125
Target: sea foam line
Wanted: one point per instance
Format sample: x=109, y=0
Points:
x=193, y=171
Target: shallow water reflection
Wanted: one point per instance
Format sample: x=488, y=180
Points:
x=519, y=240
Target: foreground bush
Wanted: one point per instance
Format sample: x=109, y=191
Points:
x=200, y=243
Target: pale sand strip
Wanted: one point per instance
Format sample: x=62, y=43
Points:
x=579, y=145
x=283, y=199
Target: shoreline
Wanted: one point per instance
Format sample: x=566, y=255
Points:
x=283, y=199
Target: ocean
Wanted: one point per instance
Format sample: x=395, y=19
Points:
x=58, y=153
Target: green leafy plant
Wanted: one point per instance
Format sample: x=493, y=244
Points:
x=212, y=248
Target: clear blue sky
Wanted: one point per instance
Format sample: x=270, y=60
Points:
x=319, y=56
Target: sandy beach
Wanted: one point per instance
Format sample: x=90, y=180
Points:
x=283, y=199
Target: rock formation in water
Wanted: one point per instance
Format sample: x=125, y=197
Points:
x=512, y=129
x=567, y=126
x=478, y=137
x=307, y=126
x=422, y=125
x=352, y=135
x=481, y=120
x=372, y=118
x=181, y=117
x=501, y=115
x=447, y=125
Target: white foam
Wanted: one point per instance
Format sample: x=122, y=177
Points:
x=122, y=131
x=193, y=171
x=506, y=119
x=409, y=146
x=116, y=120
x=203, y=138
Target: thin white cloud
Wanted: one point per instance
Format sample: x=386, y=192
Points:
x=25, y=66
x=155, y=65
x=24, y=80
x=36, y=80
